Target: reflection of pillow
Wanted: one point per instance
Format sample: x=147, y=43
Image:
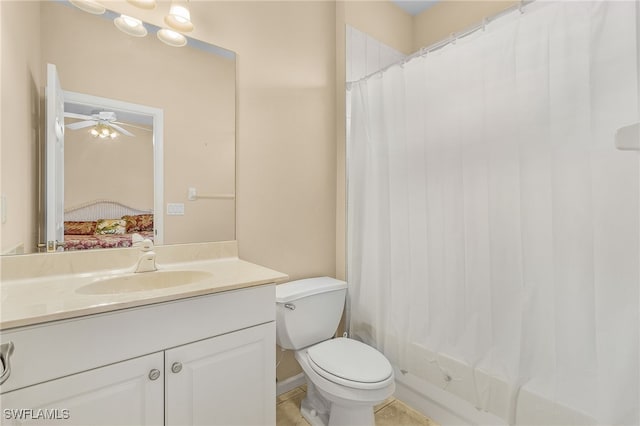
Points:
x=79, y=228
x=141, y=222
x=111, y=226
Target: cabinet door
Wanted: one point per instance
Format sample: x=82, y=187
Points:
x=225, y=380
x=118, y=394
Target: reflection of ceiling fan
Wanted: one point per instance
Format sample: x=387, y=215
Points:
x=104, y=124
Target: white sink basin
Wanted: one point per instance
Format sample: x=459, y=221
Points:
x=143, y=281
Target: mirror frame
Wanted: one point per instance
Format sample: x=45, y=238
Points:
x=158, y=157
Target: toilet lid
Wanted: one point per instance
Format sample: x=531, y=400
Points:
x=349, y=360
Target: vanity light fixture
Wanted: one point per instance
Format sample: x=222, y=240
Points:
x=171, y=38
x=131, y=26
x=143, y=4
x=89, y=6
x=179, y=17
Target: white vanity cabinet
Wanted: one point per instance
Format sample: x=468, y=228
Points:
x=117, y=394
x=206, y=360
x=223, y=380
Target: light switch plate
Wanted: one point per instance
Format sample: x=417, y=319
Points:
x=192, y=194
x=175, y=209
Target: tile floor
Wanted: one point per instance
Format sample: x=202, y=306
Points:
x=389, y=413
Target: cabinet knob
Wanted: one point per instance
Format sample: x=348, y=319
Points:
x=176, y=367
x=154, y=374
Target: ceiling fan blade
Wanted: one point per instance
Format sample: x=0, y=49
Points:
x=132, y=125
x=121, y=130
x=79, y=116
x=81, y=124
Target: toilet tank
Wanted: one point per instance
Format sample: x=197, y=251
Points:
x=308, y=311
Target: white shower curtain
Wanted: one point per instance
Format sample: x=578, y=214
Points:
x=493, y=227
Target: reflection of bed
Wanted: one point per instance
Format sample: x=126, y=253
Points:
x=84, y=242
x=105, y=224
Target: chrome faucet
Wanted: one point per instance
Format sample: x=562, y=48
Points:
x=147, y=260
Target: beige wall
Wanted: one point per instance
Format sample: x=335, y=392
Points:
x=286, y=145
x=449, y=16
x=115, y=169
x=20, y=82
x=382, y=20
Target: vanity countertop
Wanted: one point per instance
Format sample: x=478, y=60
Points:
x=38, y=300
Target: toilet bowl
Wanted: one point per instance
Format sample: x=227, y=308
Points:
x=345, y=377
x=350, y=376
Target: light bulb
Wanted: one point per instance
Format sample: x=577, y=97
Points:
x=180, y=14
x=171, y=38
x=94, y=132
x=89, y=6
x=143, y=4
x=179, y=17
x=131, y=22
x=130, y=25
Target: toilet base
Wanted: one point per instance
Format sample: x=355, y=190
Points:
x=351, y=416
x=319, y=411
x=331, y=404
x=314, y=408
x=339, y=416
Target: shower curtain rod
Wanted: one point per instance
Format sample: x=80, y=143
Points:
x=452, y=38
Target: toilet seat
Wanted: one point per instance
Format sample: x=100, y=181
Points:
x=350, y=363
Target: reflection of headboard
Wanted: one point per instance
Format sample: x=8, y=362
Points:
x=101, y=209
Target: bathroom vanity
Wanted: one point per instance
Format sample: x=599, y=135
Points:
x=201, y=352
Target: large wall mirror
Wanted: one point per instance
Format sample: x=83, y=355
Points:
x=105, y=72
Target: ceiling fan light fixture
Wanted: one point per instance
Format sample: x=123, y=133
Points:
x=130, y=25
x=89, y=6
x=179, y=17
x=171, y=38
x=103, y=131
x=143, y=4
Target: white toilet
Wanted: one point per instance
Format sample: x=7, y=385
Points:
x=345, y=378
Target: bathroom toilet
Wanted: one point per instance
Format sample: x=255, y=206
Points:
x=345, y=377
